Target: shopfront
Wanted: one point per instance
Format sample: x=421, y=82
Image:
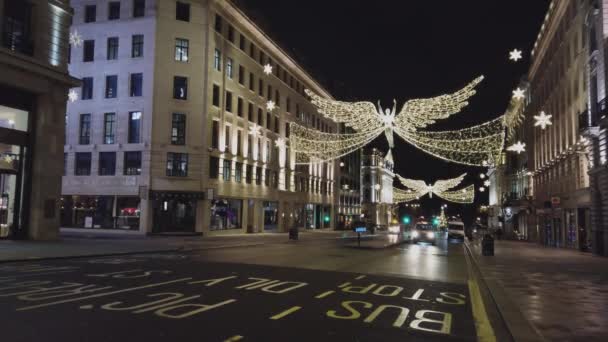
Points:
x=14, y=169
x=101, y=212
x=226, y=214
x=174, y=211
x=271, y=216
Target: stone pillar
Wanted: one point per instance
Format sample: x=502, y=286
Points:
x=244, y=215
x=203, y=217
x=258, y=216
x=145, y=215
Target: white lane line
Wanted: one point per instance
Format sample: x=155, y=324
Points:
x=103, y=294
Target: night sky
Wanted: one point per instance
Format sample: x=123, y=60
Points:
x=370, y=50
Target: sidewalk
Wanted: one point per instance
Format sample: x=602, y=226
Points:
x=562, y=293
x=90, y=244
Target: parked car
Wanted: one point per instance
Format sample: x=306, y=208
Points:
x=424, y=232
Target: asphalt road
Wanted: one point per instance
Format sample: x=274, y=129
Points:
x=305, y=291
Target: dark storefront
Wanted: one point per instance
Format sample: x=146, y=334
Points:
x=15, y=135
x=105, y=212
x=174, y=211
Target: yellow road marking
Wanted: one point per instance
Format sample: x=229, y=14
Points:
x=324, y=294
x=286, y=312
x=485, y=332
x=360, y=277
x=234, y=338
x=344, y=284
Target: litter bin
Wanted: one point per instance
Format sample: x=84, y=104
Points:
x=487, y=245
x=293, y=234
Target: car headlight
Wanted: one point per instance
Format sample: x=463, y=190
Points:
x=430, y=235
x=415, y=234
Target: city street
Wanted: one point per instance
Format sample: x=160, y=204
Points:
x=316, y=289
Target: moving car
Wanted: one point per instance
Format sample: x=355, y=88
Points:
x=456, y=230
x=424, y=232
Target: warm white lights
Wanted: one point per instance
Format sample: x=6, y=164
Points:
x=255, y=130
x=519, y=94
x=441, y=188
x=487, y=183
x=268, y=69
x=482, y=175
x=515, y=55
x=280, y=143
x=75, y=39
x=518, y=147
x=543, y=120
x=469, y=146
x=72, y=95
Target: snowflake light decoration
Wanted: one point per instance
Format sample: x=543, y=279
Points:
x=75, y=39
x=515, y=55
x=268, y=69
x=487, y=183
x=519, y=94
x=280, y=143
x=543, y=120
x=482, y=189
x=72, y=95
x=270, y=105
x=255, y=130
x=518, y=147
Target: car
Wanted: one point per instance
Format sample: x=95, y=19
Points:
x=456, y=230
x=424, y=232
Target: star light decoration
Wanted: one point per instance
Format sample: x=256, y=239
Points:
x=469, y=146
x=518, y=147
x=72, y=95
x=75, y=39
x=519, y=94
x=543, y=120
x=487, y=183
x=270, y=105
x=515, y=55
x=441, y=188
x=280, y=143
x=268, y=69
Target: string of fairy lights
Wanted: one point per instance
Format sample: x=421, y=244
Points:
x=441, y=188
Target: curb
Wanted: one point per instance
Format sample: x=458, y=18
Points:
x=516, y=324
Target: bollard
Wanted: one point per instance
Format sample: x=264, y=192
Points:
x=487, y=245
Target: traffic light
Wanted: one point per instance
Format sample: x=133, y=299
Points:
x=326, y=218
x=436, y=221
x=406, y=220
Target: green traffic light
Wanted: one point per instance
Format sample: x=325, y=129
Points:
x=436, y=221
x=406, y=219
x=326, y=218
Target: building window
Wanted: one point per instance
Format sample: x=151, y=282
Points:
x=239, y=107
x=90, y=13
x=258, y=175
x=276, y=124
x=134, y=127
x=180, y=88
x=112, y=48
x=181, y=49
x=136, y=84
x=251, y=82
x=287, y=132
x=111, y=86
x=229, y=101
x=218, y=23
x=262, y=57
x=107, y=163
x=114, y=10
x=226, y=214
x=88, y=54
x=229, y=69
x=109, y=128
x=260, y=116
x=177, y=164
x=226, y=170
x=139, y=8
x=215, y=134
x=252, y=50
x=87, y=88
x=242, y=42
x=178, y=129
x=182, y=11
x=260, y=87
x=132, y=163
x=267, y=177
x=137, y=45
x=241, y=75
x=250, y=112
x=268, y=120
x=85, y=129
x=216, y=95
x=239, y=143
x=214, y=165
x=230, y=33
x=248, y=174
x=238, y=172
x=217, y=60
x=288, y=105
x=227, y=137
x=82, y=164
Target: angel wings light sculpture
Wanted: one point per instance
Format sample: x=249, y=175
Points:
x=441, y=188
x=475, y=146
